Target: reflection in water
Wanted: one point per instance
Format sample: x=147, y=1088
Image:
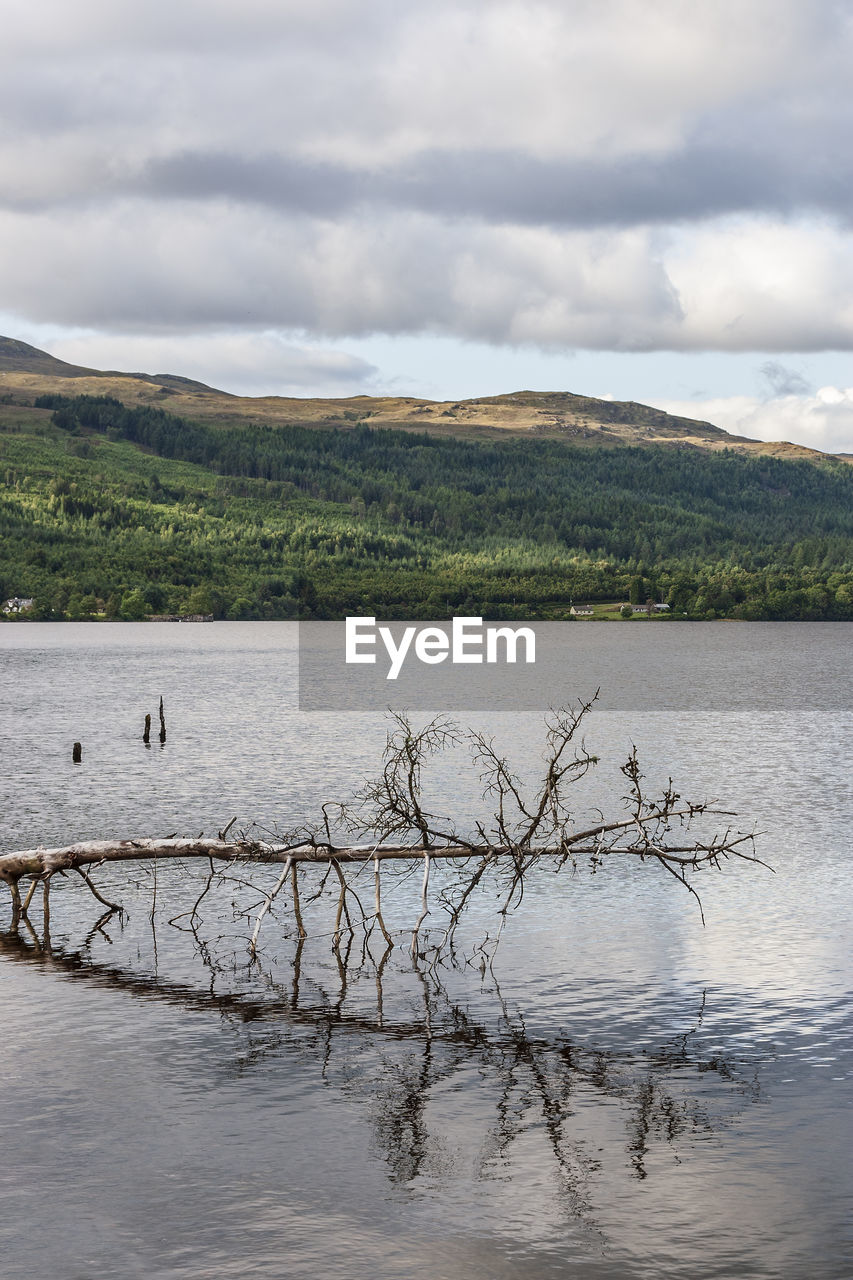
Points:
x=405, y=1061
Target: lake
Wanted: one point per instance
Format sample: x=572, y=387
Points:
x=624, y=1094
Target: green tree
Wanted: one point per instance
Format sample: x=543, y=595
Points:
x=200, y=600
x=134, y=606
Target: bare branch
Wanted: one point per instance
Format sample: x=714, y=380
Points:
x=390, y=819
x=424, y=905
x=268, y=901
x=113, y=906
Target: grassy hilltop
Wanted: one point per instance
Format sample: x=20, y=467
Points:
x=26, y=373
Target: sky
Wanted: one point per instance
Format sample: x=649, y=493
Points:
x=637, y=199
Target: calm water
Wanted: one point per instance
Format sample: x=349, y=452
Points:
x=626, y=1095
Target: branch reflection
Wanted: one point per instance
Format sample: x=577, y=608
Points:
x=391, y=1034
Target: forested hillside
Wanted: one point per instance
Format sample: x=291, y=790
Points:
x=130, y=511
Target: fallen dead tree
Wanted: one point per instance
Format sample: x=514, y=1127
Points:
x=389, y=821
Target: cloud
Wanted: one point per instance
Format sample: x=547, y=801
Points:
x=253, y=364
x=497, y=185
x=377, y=82
x=139, y=267
x=822, y=421
x=243, y=268
x=783, y=381
x=612, y=175
x=619, y=112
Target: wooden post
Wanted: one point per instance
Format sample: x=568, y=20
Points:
x=77, y=753
x=146, y=735
x=162, y=722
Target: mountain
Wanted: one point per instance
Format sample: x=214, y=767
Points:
x=26, y=372
x=24, y=366
x=20, y=357
x=125, y=495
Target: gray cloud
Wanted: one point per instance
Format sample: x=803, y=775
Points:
x=694, y=183
x=611, y=174
x=287, y=183
x=783, y=381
